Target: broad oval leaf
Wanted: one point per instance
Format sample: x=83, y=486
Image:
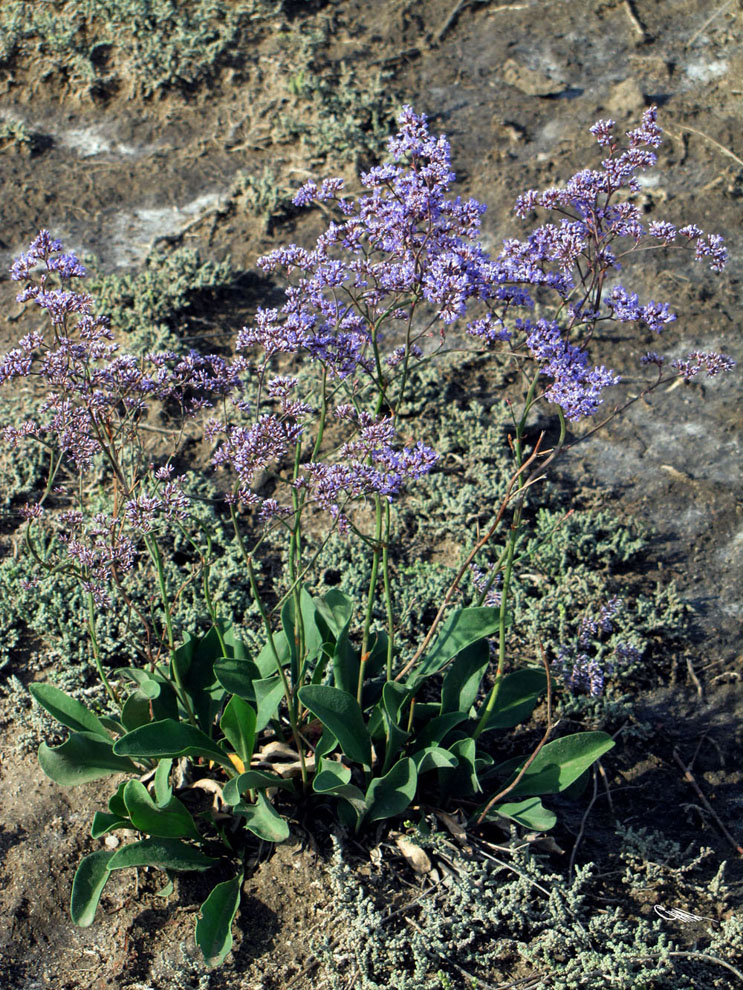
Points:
x=392, y=794
x=71, y=713
x=336, y=609
x=437, y=729
x=559, y=763
x=334, y=779
x=87, y=887
x=169, y=739
x=237, y=676
x=517, y=695
x=263, y=820
x=164, y=854
x=463, y=678
x=173, y=822
x=530, y=812
x=252, y=780
x=85, y=756
x=463, y=628
x=238, y=723
x=103, y=823
x=332, y=774
x=214, y=926
x=163, y=790
x=434, y=758
x=340, y=713
x=268, y=694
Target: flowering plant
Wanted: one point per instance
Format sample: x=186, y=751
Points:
x=304, y=422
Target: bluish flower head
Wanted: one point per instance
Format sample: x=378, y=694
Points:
x=698, y=361
x=576, y=386
x=403, y=242
x=581, y=663
x=368, y=464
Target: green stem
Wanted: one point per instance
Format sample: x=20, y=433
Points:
x=154, y=551
x=96, y=653
x=288, y=694
x=388, y=590
x=208, y=596
x=510, y=553
x=370, y=597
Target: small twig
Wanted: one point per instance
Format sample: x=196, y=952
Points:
x=605, y=781
x=694, y=678
x=460, y=6
x=708, y=958
x=707, y=23
x=676, y=914
x=635, y=20
x=689, y=777
x=543, y=740
x=720, y=147
x=584, y=819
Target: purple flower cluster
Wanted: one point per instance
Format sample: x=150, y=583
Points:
x=95, y=393
x=367, y=465
x=697, y=361
x=408, y=251
x=404, y=246
x=575, y=256
x=97, y=547
x=583, y=665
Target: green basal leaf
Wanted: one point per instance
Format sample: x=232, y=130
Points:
x=136, y=711
x=530, y=813
x=558, y=763
x=336, y=609
x=237, y=676
x=263, y=820
x=313, y=638
x=516, y=698
x=463, y=628
x=394, y=697
x=252, y=780
x=392, y=794
x=195, y=664
x=163, y=854
x=434, y=758
x=163, y=790
x=346, y=661
x=326, y=745
x=103, y=823
x=268, y=694
x=377, y=655
x=334, y=780
x=116, y=802
x=85, y=756
x=435, y=731
x=235, y=647
x=341, y=714
x=238, y=723
x=87, y=887
x=464, y=780
x=214, y=926
x=66, y=710
x=173, y=822
x=266, y=661
x=463, y=678
x=169, y=739
x=332, y=774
